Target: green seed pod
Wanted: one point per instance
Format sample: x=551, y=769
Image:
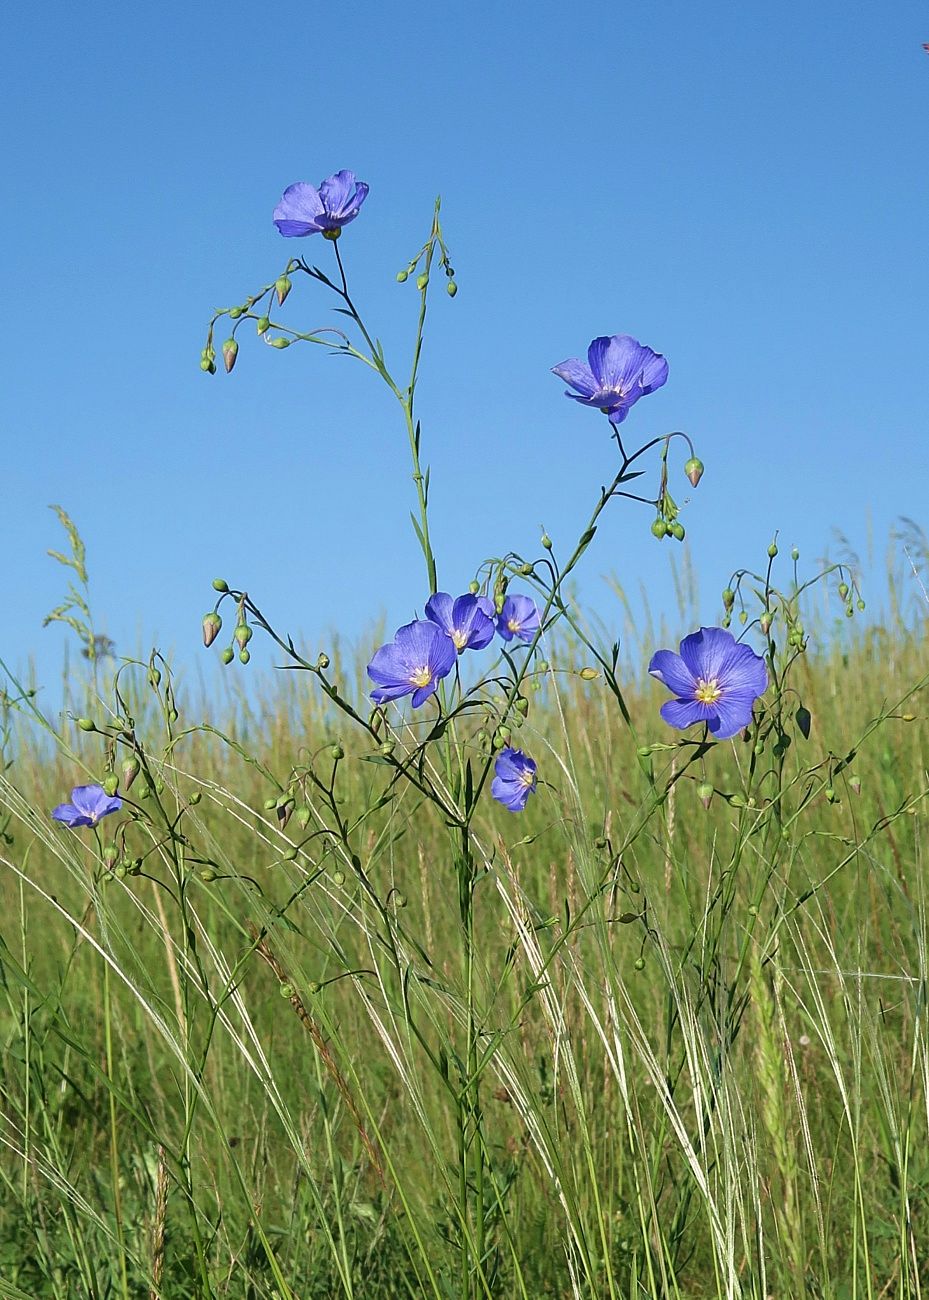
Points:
x=154, y=678
x=130, y=769
x=314, y=987
x=194, y=798
x=206, y=365
x=794, y=554
x=694, y=470
x=303, y=817
x=244, y=656
x=502, y=737
x=705, y=793
x=86, y=724
x=422, y=280
x=639, y=963
x=230, y=352
x=322, y=662
x=743, y=616
x=524, y=570
x=110, y=856
x=589, y=674
x=269, y=804
x=236, y=312
x=242, y=635
x=861, y=605
x=287, y=990
x=336, y=752
x=772, y=551
x=546, y=541
x=227, y=655
x=220, y=584
x=522, y=705
x=282, y=287
x=207, y=875
x=212, y=625
x=843, y=591
x=765, y=621
x=289, y=854
x=399, y=900
x=262, y=324
x=279, y=343
x=387, y=748
x=120, y=871
x=474, y=587
x=332, y=235
x=159, y=786
x=110, y=783
x=402, y=276
x=659, y=528
x=728, y=598
x=338, y=879
x=677, y=531
x=451, y=288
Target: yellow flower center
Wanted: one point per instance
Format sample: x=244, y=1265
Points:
x=513, y=624
x=460, y=639
x=527, y=778
x=708, y=692
x=420, y=676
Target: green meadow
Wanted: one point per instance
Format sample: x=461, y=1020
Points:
x=685, y=1052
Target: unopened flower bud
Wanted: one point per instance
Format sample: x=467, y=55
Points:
x=230, y=352
x=422, y=280
x=338, y=879
x=772, y=551
x=220, y=584
x=205, y=364
x=659, y=528
x=402, y=276
x=86, y=724
x=285, y=812
x=705, y=793
x=322, y=662
x=502, y=737
x=728, y=598
x=765, y=621
x=131, y=768
x=639, y=963
x=399, y=899
x=387, y=748
x=546, y=541
x=263, y=324
x=244, y=656
x=110, y=783
x=236, y=312
x=282, y=287
x=861, y=604
x=522, y=705
x=849, y=611
x=524, y=570
x=843, y=590
x=110, y=856
x=451, y=288
x=242, y=634
x=227, y=655
x=677, y=531
x=474, y=588
x=854, y=783
x=830, y=794
x=289, y=855
x=694, y=470
x=212, y=624
x=279, y=343
x=121, y=871
x=589, y=674
x=336, y=752
x=154, y=678
x=194, y=798
x=303, y=817
x=207, y=875
x=794, y=554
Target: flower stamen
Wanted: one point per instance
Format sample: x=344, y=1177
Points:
x=708, y=691
x=421, y=677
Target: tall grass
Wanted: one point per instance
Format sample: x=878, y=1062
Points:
x=233, y=1054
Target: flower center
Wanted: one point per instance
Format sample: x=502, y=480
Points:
x=420, y=677
x=527, y=779
x=513, y=624
x=708, y=692
x=460, y=639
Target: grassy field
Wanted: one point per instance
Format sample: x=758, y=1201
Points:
x=235, y=1058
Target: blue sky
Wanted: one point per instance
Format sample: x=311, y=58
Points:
x=743, y=187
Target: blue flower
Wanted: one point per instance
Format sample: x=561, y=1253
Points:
x=306, y=210
x=618, y=371
x=88, y=804
x=412, y=664
x=519, y=617
x=467, y=620
x=515, y=780
x=716, y=680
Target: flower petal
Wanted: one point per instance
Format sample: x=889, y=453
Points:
x=298, y=210
x=684, y=713
x=670, y=669
x=579, y=375
x=336, y=192
x=439, y=610
x=733, y=713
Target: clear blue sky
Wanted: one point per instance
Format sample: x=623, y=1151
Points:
x=743, y=187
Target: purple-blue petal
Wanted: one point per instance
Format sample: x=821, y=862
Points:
x=714, y=655
x=71, y=816
x=684, y=713
x=578, y=375
x=671, y=671
x=733, y=712
x=439, y=609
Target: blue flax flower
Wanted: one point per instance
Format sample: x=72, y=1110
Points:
x=467, y=620
x=306, y=210
x=88, y=804
x=716, y=680
x=515, y=779
x=519, y=617
x=618, y=371
x=412, y=664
